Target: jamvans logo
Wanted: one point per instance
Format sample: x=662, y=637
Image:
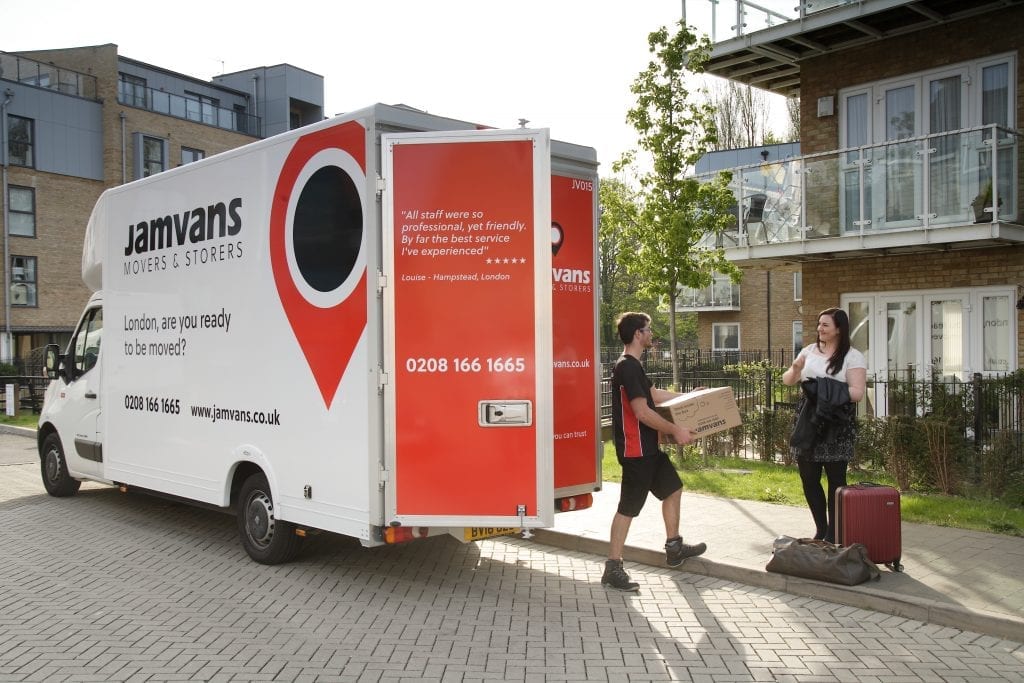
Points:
x=192, y=226
x=570, y=276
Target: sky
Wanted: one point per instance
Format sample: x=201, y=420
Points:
x=566, y=65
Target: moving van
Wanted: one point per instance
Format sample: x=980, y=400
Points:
x=382, y=325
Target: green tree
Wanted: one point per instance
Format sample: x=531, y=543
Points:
x=677, y=211
x=619, y=287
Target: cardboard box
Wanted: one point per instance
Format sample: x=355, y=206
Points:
x=705, y=411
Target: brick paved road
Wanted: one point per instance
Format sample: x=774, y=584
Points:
x=105, y=586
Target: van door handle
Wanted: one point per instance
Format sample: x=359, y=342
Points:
x=90, y=394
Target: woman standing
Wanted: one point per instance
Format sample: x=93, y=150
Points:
x=832, y=375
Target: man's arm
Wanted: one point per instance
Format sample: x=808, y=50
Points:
x=662, y=395
x=652, y=419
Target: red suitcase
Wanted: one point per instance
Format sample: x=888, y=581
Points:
x=870, y=514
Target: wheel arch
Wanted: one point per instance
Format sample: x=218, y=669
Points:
x=246, y=461
x=45, y=430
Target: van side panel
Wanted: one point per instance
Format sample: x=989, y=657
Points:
x=237, y=299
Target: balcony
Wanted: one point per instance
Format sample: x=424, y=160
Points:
x=720, y=295
x=764, y=43
x=30, y=72
x=188, y=108
x=950, y=190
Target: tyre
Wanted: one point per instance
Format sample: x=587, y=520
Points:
x=54, y=468
x=267, y=540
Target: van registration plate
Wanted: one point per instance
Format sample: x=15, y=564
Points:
x=478, y=533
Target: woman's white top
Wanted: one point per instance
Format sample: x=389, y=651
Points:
x=816, y=364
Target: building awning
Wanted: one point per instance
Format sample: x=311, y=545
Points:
x=770, y=58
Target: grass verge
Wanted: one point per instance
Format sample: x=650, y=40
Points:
x=767, y=482
x=31, y=421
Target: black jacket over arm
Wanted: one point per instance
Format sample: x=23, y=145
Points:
x=823, y=410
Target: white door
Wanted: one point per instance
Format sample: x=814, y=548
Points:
x=896, y=167
x=947, y=111
x=79, y=413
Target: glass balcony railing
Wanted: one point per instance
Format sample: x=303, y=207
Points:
x=915, y=184
x=30, y=72
x=720, y=295
x=188, y=108
x=734, y=18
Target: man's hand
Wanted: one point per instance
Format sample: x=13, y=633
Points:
x=682, y=435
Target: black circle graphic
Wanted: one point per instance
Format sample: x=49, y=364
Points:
x=327, y=229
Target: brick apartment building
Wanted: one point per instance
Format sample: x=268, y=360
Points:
x=904, y=207
x=764, y=311
x=77, y=121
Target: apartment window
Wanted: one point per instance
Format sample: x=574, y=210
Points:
x=21, y=202
x=154, y=158
x=201, y=108
x=23, y=280
x=798, y=286
x=936, y=332
x=725, y=337
x=131, y=90
x=241, y=119
x=20, y=139
x=188, y=155
x=798, y=337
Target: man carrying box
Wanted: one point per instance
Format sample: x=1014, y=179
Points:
x=645, y=467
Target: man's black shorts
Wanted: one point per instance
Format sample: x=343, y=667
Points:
x=653, y=473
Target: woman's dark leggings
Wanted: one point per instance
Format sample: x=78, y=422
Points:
x=823, y=511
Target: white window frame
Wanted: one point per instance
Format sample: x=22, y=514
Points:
x=973, y=324
x=970, y=72
x=714, y=336
x=798, y=286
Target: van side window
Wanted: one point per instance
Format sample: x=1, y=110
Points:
x=87, y=341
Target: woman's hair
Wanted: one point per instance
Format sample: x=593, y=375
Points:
x=842, y=323
x=629, y=323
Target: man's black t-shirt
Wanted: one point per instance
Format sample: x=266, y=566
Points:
x=633, y=439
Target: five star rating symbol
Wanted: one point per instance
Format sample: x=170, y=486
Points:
x=505, y=261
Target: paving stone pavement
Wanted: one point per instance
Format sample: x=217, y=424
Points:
x=106, y=586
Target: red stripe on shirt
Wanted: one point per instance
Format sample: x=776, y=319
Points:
x=630, y=428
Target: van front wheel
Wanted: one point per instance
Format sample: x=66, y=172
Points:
x=56, y=478
x=268, y=540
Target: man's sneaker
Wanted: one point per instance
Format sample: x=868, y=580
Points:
x=676, y=551
x=616, y=577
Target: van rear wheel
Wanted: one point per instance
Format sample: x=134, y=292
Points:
x=56, y=478
x=268, y=540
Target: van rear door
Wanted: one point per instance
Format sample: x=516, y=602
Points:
x=468, y=331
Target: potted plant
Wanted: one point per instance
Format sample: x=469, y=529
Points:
x=982, y=202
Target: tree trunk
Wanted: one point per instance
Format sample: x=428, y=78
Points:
x=672, y=338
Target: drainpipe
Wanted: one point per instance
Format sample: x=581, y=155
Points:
x=124, y=167
x=7, y=345
x=255, y=103
x=768, y=304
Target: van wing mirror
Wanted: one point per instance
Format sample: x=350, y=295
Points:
x=53, y=365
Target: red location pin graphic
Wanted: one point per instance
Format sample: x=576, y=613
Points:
x=317, y=248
